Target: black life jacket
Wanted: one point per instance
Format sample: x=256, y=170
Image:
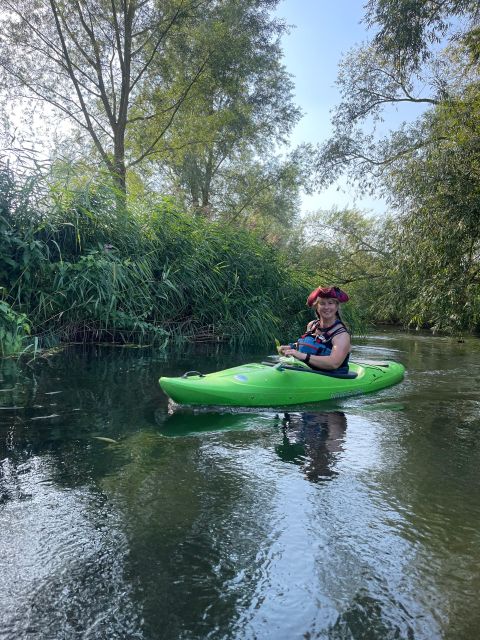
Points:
x=318, y=341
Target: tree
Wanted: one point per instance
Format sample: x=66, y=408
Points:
x=261, y=195
x=402, y=65
x=435, y=267
x=407, y=29
x=369, y=84
x=92, y=60
x=346, y=246
x=236, y=113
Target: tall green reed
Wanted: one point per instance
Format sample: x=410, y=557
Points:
x=82, y=270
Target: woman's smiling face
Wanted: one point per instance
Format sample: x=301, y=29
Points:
x=327, y=308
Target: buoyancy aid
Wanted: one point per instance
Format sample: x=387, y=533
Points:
x=318, y=341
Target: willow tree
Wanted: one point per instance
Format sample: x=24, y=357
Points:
x=407, y=29
x=220, y=154
x=435, y=266
x=421, y=54
x=91, y=60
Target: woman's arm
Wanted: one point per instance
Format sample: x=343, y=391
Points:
x=341, y=347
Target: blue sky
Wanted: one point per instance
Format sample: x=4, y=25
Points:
x=323, y=31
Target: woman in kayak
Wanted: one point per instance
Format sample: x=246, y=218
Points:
x=326, y=344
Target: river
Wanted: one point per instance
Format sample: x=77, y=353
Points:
x=122, y=517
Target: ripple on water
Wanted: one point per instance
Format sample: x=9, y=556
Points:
x=58, y=564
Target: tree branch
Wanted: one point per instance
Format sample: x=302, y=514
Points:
x=74, y=80
x=182, y=99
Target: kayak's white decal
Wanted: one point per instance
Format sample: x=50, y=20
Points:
x=240, y=377
x=347, y=394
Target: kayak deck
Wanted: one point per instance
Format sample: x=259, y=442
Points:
x=287, y=383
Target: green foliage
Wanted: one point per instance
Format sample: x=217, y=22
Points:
x=14, y=328
x=82, y=269
x=407, y=28
x=93, y=62
x=436, y=267
x=218, y=280
x=24, y=254
x=352, y=250
x=260, y=195
x=426, y=273
x=100, y=293
x=227, y=257
x=369, y=84
x=237, y=111
x=422, y=54
x=177, y=88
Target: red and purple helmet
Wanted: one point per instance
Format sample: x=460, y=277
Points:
x=327, y=292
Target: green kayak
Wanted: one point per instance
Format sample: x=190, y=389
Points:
x=287, y=382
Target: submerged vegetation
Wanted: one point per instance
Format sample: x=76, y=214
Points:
x=167, y=211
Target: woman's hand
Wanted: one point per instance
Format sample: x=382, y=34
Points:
x=288, y=351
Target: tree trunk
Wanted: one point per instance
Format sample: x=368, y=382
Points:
x=206, y=208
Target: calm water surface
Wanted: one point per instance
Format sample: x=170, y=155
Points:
x=355, y=519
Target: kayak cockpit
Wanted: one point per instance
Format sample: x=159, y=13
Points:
x=332, y=374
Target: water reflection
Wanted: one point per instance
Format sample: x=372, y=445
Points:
x=313, y=441
x=187, y=423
